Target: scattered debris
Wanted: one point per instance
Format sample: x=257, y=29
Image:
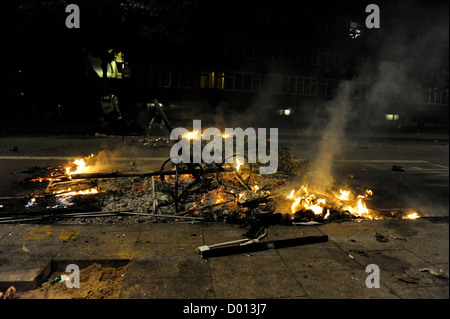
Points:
x=308, y=223
x=441, y=274
x=58, y=279
x=381, y=238
x=398, y=238
x=360, y=252
x=96, y=282
x=396, y=168
x=409, y=279
x=10, y=293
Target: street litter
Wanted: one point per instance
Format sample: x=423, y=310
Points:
x=409, y=279
x=58, y=279
x=360, y=252
x=309, y=223
x=441, y=274
x=396, y=168
x=10, y=293
x=253, y=245
x=381, y=238
x=398, y=238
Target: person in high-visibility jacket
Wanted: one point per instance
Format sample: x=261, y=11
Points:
x=111, y=111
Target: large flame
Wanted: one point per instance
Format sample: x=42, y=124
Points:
x=81, y=166
x=303, y=200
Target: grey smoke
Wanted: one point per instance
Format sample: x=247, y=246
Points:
x=333, y=137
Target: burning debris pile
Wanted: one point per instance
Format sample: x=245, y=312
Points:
x=232, y=192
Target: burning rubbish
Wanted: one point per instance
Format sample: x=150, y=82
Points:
x=232, y=192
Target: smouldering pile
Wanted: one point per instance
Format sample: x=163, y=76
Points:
x=223, y=196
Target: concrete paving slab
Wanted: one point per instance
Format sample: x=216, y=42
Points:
x=167, y=233
x=341, y=284
x=168, y=288
x=258, y=276
x=163, y=267
x=440, y=292
x=430, y=247
x=44, y=234
x=323, y=256
x=24, y=279
x=144, y=249
x=101, y=246
x=25, y=267
x=361, y=237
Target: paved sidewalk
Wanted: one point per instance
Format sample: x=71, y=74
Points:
x=163, y=262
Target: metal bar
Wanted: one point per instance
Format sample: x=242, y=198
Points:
x=206, y=252
x=165, y=216
x=143, y=174
x=239, y=177
x=168, y=125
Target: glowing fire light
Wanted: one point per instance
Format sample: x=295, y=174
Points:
x=344, y=195
x=191, y=135
x=68, y=192
x=81, y=166
x=413, y=216
x=361, y=208
x=239, y=163
x=302, y=200
x=295, y=204
x=291, y=195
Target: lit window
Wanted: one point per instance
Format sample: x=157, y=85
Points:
x=285, y=112
x=212, y=80
x=392, y=117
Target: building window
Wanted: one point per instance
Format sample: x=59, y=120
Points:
x=306, y=86
x=242, y=82
x=328, y=88
x=437, y=96
x=238, y=82
x=212, y=80
x=392, y=117
x=285, y=112
x=444, y=97
x=275, y=84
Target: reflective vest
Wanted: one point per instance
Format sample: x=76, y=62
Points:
x=109, y=103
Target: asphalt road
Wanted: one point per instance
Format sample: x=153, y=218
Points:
x=359, y=163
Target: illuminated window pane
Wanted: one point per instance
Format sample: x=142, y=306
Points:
x=389, y=117
x=204, y=80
